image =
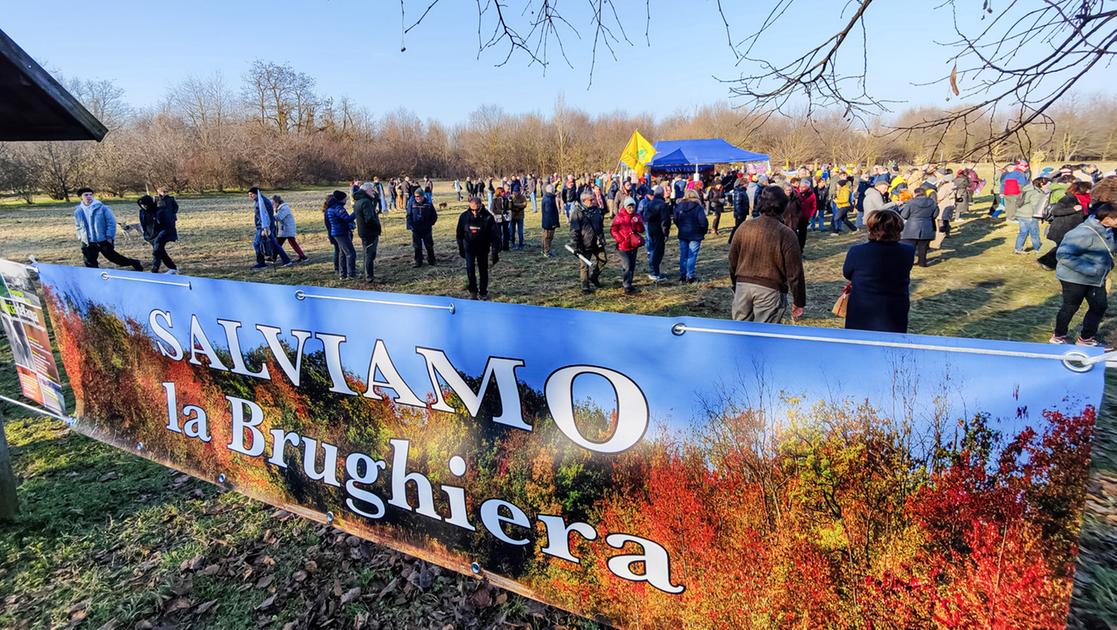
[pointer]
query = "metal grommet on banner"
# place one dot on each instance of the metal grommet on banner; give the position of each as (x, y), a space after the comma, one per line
(330, 518)
(104, 275)
(678, 330)
(1077, 361)
(221, 479)
(452, 309)
(139, 446)
(475, 567)
(299, 295)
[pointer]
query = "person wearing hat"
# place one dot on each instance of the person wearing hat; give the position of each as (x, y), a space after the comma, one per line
(874, 196)
(420, 220)
(341, 225)
(626, 231)
(587, 237)
(478, 238)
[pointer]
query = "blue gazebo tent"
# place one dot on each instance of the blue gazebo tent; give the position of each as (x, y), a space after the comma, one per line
(678, 155)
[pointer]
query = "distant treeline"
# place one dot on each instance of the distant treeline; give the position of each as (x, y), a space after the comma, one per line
(280, 130)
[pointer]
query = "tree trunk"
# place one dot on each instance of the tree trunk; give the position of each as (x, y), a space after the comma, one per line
(9, 505)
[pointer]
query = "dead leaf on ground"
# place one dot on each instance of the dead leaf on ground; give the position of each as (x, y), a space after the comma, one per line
(178, 603)
(351, 594)
(204, 607)
(193, 564)
(268, 601)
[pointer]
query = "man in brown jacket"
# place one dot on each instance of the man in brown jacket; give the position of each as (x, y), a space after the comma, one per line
(765, 263)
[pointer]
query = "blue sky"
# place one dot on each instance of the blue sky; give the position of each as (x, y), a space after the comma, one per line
(352, 47)
(676, 373)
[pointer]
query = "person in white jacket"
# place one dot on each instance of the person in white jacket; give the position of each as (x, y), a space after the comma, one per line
(285, 230)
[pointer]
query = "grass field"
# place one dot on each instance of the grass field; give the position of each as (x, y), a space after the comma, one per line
(105, 537)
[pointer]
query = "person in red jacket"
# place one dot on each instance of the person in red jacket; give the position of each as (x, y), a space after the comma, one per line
(626, 230)
(808, 206)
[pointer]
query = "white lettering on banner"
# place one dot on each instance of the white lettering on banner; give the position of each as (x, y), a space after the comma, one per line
(240, 425)
(382, 362)
(368, 493)
(199, 341)
(293, 371)
(511, 412)
(632, 407)
(657, 564)
(196, 421)
(239, 366)
(168, 345)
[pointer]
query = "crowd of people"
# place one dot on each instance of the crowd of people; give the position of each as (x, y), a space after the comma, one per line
(906, 213)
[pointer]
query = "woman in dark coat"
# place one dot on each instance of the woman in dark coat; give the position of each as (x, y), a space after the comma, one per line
(880, 274)
(919, 216)
(1065, 215)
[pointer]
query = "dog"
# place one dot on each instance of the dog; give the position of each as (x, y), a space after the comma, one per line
(442, 205)
(131, 230)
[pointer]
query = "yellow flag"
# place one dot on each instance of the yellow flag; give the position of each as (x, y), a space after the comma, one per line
(638, 152)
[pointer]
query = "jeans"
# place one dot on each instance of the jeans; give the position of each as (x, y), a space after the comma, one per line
(261, 242)
(90, 251)
(841, 216)
(477, 265)
(688, 258)
(818, 221)
(421, 239)
(517, 228)
(370, 246)
(505, 234)
(1028, 227)
(628, 266)
(1073, 294)
(566, 209)
(534, 207)
(159, 256)
(860, 218)
(346, 256)
(656, 248)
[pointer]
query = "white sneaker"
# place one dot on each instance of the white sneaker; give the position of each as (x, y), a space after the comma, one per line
(171, 272)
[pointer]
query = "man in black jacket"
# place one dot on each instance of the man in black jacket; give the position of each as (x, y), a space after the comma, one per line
(587, 237)
(657, 220)
(477, 238)
(366, 204)
(421, 218)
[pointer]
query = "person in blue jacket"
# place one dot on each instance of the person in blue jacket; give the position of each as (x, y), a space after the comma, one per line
(1085, 259)
(879, 273)
(264, 219)
(96, 229)
(341, 225)
(691, 225)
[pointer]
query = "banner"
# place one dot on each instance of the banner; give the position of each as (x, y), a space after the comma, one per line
(21, 313)
(645, 471)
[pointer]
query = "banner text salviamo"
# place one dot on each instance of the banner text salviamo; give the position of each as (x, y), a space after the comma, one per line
(502, 519)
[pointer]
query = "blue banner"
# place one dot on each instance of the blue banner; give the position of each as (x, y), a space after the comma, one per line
(641, 470)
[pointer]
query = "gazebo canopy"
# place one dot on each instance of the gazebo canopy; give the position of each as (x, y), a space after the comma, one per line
(673, 154)
(33, 106)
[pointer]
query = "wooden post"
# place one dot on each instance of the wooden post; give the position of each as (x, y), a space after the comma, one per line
(9, 505)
